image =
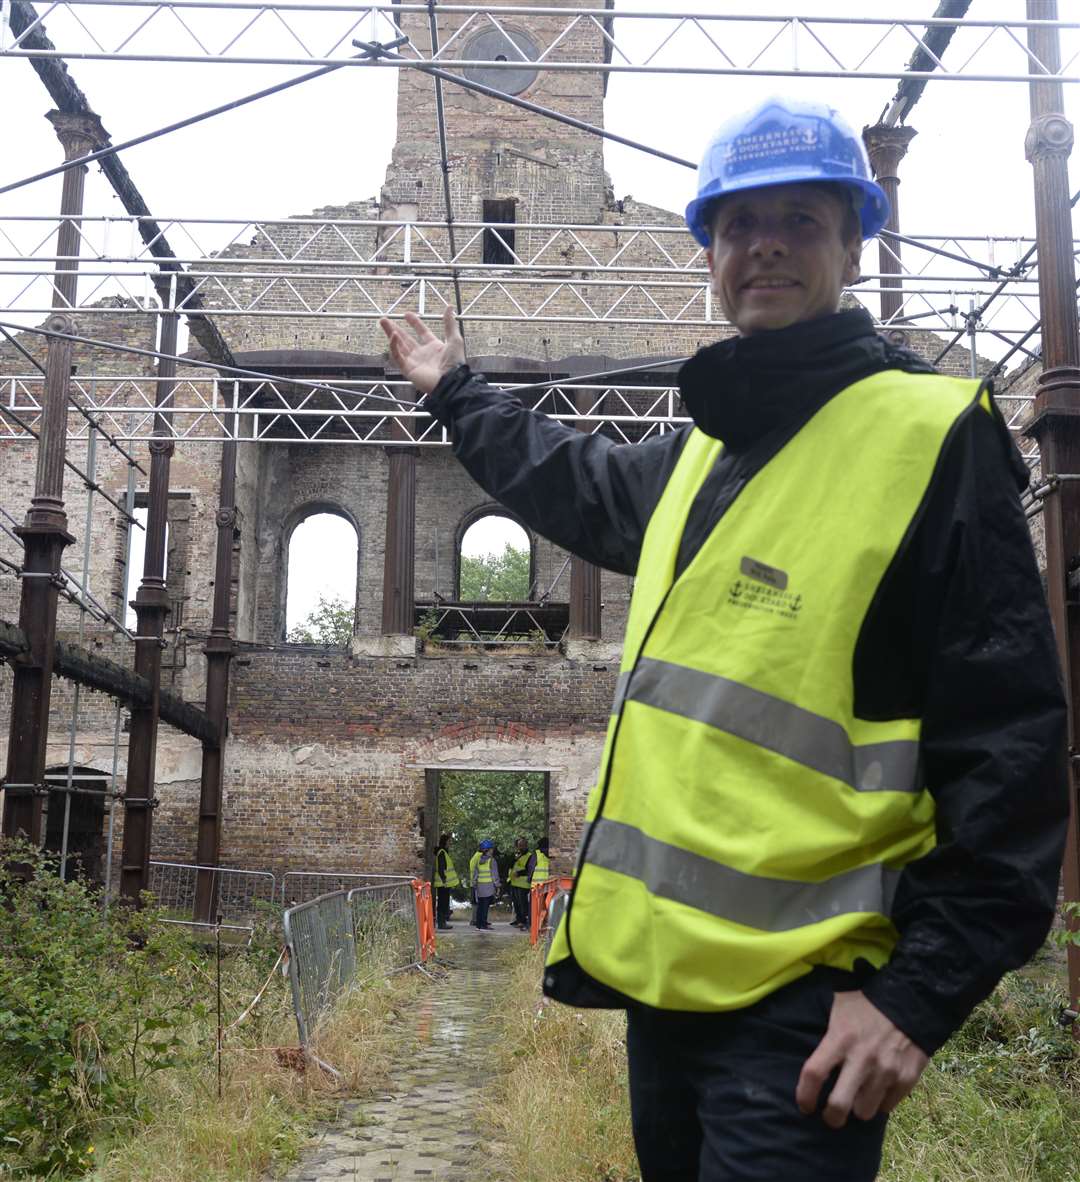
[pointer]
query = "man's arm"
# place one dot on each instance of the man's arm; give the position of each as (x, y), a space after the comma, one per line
(581, 491)
(994, 755)
(967, 607)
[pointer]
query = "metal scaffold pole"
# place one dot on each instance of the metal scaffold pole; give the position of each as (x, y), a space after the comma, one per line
(1056, 421)
(45, 534)
(151, 606)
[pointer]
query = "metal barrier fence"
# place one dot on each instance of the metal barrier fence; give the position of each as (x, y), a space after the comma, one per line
(345, 936)
(301, 886)
(236, 893)
(555, 912)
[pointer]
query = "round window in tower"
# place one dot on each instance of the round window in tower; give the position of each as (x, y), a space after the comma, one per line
(494, 45)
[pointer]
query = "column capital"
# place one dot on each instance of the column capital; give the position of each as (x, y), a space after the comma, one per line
(78, 132)
(886, 146)
(1048, 135)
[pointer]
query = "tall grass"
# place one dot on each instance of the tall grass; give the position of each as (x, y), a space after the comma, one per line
(999, 1103)
(271, 1100)
(559, 1102)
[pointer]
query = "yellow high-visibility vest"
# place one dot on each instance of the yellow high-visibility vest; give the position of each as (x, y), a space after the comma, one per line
(746, 825)
(450, 877)
(518, 877)
(542, 869)
(483, 871)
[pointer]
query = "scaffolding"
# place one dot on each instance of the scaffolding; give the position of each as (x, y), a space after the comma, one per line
(987, 295)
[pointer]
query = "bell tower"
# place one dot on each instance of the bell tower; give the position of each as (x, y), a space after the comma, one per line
(506, 164)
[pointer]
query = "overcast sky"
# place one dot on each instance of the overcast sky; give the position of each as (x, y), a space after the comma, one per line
(329, 141)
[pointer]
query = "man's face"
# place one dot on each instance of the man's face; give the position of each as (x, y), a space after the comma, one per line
(778, 255)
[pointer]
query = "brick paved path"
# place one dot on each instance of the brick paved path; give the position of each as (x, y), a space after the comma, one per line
(421, 1129)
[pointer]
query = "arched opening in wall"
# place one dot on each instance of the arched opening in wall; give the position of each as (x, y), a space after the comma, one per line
(321, 554)
(74, 820)
(510, 808)
(495, 561)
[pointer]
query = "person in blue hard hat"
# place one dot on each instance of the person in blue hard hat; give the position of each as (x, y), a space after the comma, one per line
(485, 882)
(831, 811)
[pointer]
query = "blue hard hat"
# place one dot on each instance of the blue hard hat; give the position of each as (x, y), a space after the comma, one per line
(487, 844)
(785, 142)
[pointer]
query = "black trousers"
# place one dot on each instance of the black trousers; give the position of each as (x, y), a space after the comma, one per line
(521, 903)
(483, 902)
(442, 905)
(712, 1096)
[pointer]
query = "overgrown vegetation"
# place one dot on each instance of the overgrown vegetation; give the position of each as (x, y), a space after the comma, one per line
(108, 1066)
(999, 1103)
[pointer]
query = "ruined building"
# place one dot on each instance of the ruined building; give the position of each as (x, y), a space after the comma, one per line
(333, 755)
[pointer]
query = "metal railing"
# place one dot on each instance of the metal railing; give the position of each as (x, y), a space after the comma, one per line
(345, 937)
(301, 886)
(236, 894)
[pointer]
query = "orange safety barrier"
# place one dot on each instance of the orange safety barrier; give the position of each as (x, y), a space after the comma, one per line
(425, 920)
(540, 897)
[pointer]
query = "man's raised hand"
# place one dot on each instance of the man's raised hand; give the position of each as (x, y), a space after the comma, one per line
(420, 355)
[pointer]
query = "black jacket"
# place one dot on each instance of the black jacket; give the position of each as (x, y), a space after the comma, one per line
(958, 633)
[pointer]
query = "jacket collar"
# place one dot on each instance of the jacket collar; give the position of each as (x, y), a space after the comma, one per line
(741, 388)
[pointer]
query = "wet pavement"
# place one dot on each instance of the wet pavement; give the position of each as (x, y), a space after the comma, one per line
(422, 1126)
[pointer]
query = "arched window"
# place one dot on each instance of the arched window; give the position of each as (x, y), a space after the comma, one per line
(495, 561)
(320, 596)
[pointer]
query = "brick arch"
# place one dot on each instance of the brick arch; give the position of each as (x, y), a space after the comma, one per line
(292, 520)
(478, 513)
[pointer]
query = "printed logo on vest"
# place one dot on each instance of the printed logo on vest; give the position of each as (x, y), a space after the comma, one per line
(765, 589)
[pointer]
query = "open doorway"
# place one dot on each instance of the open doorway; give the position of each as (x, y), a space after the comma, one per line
(474, 804)
(75, 820)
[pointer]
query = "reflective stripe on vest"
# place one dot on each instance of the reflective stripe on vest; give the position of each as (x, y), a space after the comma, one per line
(483, 871)
(518, 877)
(746, 824)
(542, 869)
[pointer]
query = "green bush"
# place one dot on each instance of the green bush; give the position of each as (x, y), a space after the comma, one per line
(90, 1007)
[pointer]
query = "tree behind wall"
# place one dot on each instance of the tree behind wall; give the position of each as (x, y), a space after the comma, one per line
(330, 622)
(499, 805)
(495, 577)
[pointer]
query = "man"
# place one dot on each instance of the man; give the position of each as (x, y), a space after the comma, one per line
(831, 808)
(519, 883)
(445, 879)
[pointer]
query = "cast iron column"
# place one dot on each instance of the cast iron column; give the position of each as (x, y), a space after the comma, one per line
(886, 147)
(219, 651)
(584, 576)
(151, 607)
(44, 533)
(399, 596)
(1056, 421)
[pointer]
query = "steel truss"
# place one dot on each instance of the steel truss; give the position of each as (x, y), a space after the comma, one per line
(216, 410)
(356, 270)
(634, 42)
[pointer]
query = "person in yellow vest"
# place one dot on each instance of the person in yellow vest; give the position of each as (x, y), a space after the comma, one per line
(445, 878)
(538, 868)
(486, 882)
(519, 883)
(473, 862)
(831, 806)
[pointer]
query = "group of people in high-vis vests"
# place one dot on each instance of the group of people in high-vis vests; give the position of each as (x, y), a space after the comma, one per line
(833, 796)
(531, 865)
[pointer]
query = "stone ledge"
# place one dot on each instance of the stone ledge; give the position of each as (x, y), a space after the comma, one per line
(605, 652)
(384, 646)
